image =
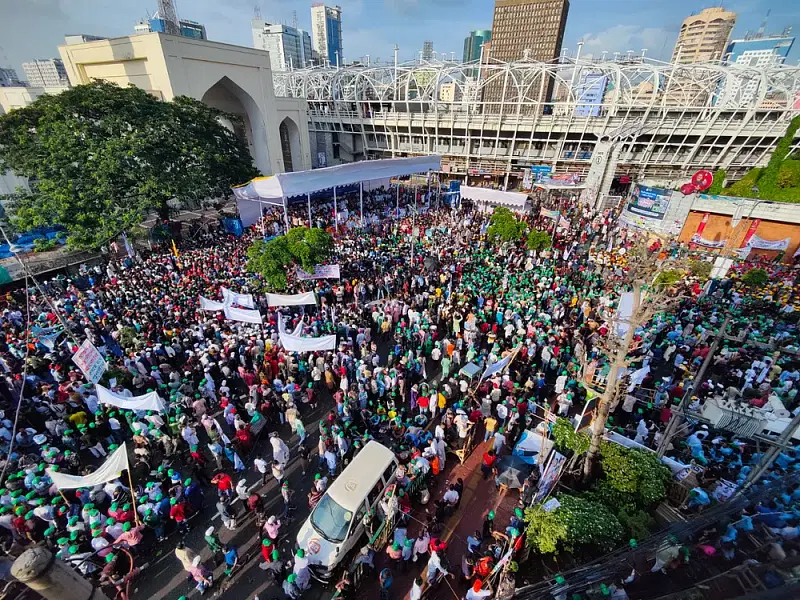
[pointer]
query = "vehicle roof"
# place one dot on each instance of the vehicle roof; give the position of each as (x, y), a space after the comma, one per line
(360, 476)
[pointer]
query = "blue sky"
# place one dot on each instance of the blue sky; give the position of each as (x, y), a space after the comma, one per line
(34, 28)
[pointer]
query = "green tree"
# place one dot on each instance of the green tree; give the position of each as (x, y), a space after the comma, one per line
(755, 278)
(668, 278)
(576, 522)
(504, 226)
(633, 471)
(302, 247)
(102, 157)
(565, 437)
(717, 182)
(701, 269)
(539, 240)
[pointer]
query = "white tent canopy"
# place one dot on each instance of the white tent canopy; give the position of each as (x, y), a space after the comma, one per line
(275, 188)
(512, 200)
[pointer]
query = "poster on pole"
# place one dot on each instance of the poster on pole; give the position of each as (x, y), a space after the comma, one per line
(649, 201)
(550, 475)
(90, 361)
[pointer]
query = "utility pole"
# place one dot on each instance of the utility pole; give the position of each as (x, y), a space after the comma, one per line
(678, 415)
(53, 579)
(770, 455)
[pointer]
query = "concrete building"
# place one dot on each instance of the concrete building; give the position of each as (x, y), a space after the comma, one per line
(753, 55)
(427, 50)
(703, 37)
(525, 29)
(383, 112)
(234, 79)
(288, 48)
(45, 73)
(81, 38)
(9, 77)
(155, 24)
(326, 33)
(533, 25)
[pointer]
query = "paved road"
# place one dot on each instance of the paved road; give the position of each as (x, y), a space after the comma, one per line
(165, 579)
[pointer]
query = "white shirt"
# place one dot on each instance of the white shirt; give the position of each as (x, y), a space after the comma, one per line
(416, 592)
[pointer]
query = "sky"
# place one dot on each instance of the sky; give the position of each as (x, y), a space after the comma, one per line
(34, 28)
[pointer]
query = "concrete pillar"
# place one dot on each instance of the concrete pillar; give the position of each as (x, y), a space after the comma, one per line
(54, 579)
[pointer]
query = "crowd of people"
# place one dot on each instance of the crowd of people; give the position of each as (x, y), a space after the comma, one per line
(238, 402)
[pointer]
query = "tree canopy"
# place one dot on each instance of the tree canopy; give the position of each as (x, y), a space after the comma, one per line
(301, 247)
(101, 157)
(504, 226)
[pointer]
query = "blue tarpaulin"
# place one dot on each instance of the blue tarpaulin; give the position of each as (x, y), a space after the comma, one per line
(233, 225)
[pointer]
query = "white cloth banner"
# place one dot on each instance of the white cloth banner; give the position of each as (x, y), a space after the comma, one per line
(499, 365)
(296, 343)
(320, 272)
(150, 401)
(108, 471)
(701, 241)
(206, 304)
(90, 361)
(246, 316)
(291, 299)
(762, 244)
(624, 312)
(245, 300)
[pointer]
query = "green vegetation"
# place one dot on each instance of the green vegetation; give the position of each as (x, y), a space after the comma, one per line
(504, 226)
(718, 182)
(565, 438)
(301, 247)
(43, 245)
(701, 269)
(636, 472)
(539, 240)
(755, 278)
(779, 180)
(668, 278)
(102, 157)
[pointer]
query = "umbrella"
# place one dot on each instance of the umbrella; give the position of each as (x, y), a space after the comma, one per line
(513, 471)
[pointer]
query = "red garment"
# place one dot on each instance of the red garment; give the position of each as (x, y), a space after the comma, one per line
(223, 482)
(178, 512)
(488, 460)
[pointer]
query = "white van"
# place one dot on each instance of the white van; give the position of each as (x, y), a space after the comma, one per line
(334, 527)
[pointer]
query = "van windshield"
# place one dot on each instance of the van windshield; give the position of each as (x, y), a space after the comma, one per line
(330, 520)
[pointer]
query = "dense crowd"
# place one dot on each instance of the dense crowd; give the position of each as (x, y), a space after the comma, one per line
(236, 400)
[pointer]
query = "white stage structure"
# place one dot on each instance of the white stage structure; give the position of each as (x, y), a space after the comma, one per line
(487, 197)
(275, 189)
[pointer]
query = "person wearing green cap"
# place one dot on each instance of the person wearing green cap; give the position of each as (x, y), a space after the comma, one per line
(488, 526)
(290, 587)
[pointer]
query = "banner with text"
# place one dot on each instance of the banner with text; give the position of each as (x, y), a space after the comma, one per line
(649, 201)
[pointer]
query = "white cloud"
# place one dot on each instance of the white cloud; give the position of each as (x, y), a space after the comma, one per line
(622, 38)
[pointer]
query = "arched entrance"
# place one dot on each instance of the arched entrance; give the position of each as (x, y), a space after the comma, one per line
(290, 144)
(226, 96)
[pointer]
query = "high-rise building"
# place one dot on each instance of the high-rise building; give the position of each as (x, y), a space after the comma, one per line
(525, 29)
(589, 93)
(326, 33)
(703, 37)
(473, 43)
(533, 25)
(427, 50)
(758, 52)
(288, 47)
(9, 78)
(48, 72)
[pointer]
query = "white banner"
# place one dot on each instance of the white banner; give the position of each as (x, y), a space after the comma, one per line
(206, 304)
(90, 361)
(245, 300)
(320, 272)
(245, 316)
(296, 343)
(291, 299)
(499, 365)
(624, 312)
(701, 241)
(151, 401)
(109, 471)
(762, 244)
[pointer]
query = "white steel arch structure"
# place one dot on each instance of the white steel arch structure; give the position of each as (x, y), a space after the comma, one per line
(502, 117)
